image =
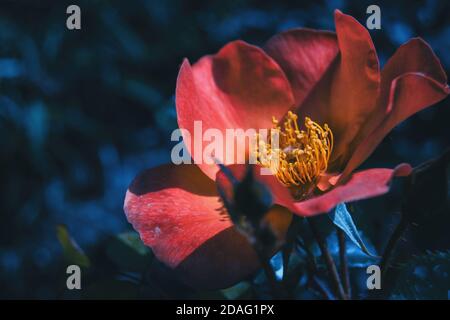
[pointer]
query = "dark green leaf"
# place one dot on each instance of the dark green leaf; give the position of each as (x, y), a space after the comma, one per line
(128, 253)
(356, 258)
(236, 291)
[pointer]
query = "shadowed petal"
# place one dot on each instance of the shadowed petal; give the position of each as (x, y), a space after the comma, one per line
(304, 55)
(175, 209)
(410, 93)
(227, 258)
(415, 56)
(347, 94)
(219, 262)
(239, 87)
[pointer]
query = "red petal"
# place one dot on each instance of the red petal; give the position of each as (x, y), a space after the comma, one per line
(347, 94)
(304, 55)
(364, 184)
(356, 85)
(219, 262)
(361, 185)
(175, 209)
(327, 180)
(239, 87)
(410, 93)
(414, 56)
(227, 258)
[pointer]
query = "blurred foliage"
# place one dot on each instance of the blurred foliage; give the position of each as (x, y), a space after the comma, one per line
(82, 112)
(425, 277)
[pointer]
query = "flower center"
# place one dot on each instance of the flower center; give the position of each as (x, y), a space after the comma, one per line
(297, 157)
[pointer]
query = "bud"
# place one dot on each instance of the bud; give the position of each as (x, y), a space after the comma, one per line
(247, 206)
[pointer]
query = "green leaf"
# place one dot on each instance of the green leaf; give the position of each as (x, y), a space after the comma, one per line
(237, 291)
(424, 277)
(356, 258)
(71, 250)
(128, 253)
(343, 220)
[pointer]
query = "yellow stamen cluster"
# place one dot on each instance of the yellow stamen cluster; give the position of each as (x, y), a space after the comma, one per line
(301, 155)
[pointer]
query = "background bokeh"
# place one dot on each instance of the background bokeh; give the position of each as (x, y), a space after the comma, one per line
(82, 112)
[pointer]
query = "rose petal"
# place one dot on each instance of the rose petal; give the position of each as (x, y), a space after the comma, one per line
(327, 180)
(175, 209)
(216, 264)
(413, 56)
(346, 95)
(304, 55)
(219, 262)
(239, 87)
(356, 85)
(410, 93)
(362, 185)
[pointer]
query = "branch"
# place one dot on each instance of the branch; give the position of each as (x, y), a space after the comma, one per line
(328, 260)
(343, 262)
(390, 247)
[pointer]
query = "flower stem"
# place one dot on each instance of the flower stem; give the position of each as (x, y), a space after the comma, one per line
(291, 237)
(321, 288)
(328, 260)
(388, 274)
(343, 262)
(270, 275)
(313, 280)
